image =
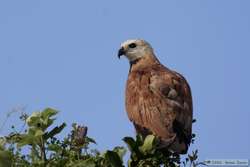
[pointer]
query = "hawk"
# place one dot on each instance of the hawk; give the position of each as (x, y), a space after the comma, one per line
(158, 100)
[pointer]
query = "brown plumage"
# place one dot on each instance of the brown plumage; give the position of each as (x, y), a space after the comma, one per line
(158, 100)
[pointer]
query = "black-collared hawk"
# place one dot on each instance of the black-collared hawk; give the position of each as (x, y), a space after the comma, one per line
(158, 100)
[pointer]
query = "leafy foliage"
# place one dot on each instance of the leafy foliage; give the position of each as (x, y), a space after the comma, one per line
(46, 150)
(144, 152)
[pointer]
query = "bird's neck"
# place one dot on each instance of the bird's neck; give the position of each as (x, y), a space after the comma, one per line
(143, 62)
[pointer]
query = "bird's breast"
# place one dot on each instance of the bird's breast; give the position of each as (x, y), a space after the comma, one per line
(136, 94)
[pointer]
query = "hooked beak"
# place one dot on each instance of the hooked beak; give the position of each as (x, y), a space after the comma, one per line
(121, 52)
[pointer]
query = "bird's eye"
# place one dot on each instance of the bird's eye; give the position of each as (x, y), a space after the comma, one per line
(132, 45)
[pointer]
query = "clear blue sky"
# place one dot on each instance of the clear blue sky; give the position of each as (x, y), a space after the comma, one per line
(63, 54)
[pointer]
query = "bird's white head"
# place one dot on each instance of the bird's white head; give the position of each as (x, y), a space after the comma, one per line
(135, 49)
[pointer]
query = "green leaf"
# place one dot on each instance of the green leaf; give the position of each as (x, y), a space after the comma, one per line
(25, 140)
(90, 140)
(131, 143)
(113, 158)
(32, 131)
(130, 162)
(54, 147)
(83, 163)
(5, 158)
(54, 131)
(38, 133)
(139, 139)
(34, 119)
(48, 112)
(121, 151)
(46, 117)
(148, 145)
(2, 143)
